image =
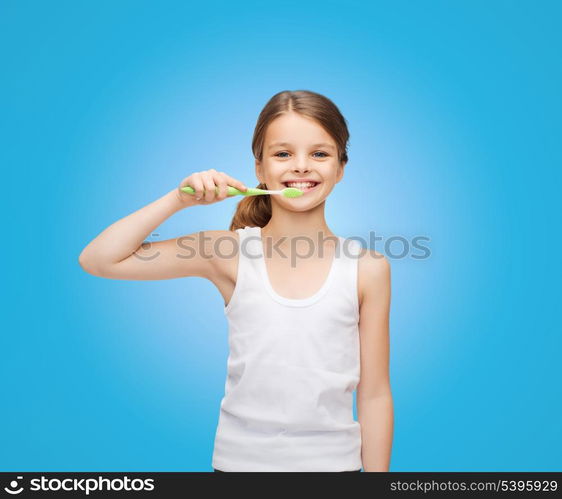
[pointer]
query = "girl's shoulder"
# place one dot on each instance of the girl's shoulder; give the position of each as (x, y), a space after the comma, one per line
(373, 268)
(217, 246)
(226, 254)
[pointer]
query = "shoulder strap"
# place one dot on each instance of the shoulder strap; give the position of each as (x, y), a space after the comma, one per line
(350, 252)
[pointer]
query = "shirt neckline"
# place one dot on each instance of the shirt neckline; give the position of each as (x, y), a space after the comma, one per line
(292, 302)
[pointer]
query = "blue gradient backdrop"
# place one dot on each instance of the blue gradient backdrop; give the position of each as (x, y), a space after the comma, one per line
(454, 112)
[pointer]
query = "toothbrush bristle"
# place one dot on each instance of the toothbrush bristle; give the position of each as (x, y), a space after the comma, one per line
(292, 192)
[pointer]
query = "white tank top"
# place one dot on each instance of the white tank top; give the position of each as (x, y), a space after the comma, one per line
(292, 369)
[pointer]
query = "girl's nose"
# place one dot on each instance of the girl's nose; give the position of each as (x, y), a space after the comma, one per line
(301, 166)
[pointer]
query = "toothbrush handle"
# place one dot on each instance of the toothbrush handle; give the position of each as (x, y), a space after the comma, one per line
(232, 191)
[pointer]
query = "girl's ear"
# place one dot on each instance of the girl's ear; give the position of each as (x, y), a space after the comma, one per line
(340, 171)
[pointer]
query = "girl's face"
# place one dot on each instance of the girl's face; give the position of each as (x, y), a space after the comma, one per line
(297, 148)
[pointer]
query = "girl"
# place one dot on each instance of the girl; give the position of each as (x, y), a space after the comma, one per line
(303, 333)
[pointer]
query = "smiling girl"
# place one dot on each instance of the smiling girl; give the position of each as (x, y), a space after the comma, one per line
(308, 311)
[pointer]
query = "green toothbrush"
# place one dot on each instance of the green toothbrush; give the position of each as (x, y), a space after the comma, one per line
(288, 192)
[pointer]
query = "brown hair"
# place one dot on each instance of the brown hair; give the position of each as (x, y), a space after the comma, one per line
(255, 211)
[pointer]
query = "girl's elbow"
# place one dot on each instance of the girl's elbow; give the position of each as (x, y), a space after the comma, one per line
(88, 264)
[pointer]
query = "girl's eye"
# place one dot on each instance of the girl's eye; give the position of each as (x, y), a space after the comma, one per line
(284, 152)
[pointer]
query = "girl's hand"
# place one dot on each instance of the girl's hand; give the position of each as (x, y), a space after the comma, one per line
(204, 184)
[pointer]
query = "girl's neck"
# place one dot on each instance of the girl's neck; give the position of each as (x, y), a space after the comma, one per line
(304, 225)
(285, 223)
(276, 232)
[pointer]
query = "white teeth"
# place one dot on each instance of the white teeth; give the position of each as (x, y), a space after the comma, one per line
(300, 185)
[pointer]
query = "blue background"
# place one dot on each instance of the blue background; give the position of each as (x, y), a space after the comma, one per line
(454, 112)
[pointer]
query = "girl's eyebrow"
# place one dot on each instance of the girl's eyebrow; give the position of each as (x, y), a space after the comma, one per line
(285, 144)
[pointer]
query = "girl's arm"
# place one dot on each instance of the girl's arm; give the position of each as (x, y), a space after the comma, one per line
(118, 252)
(374, 398)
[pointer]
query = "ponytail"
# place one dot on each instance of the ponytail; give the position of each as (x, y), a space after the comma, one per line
(252, 211)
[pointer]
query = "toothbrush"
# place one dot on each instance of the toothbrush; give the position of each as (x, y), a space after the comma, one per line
(288, 192)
